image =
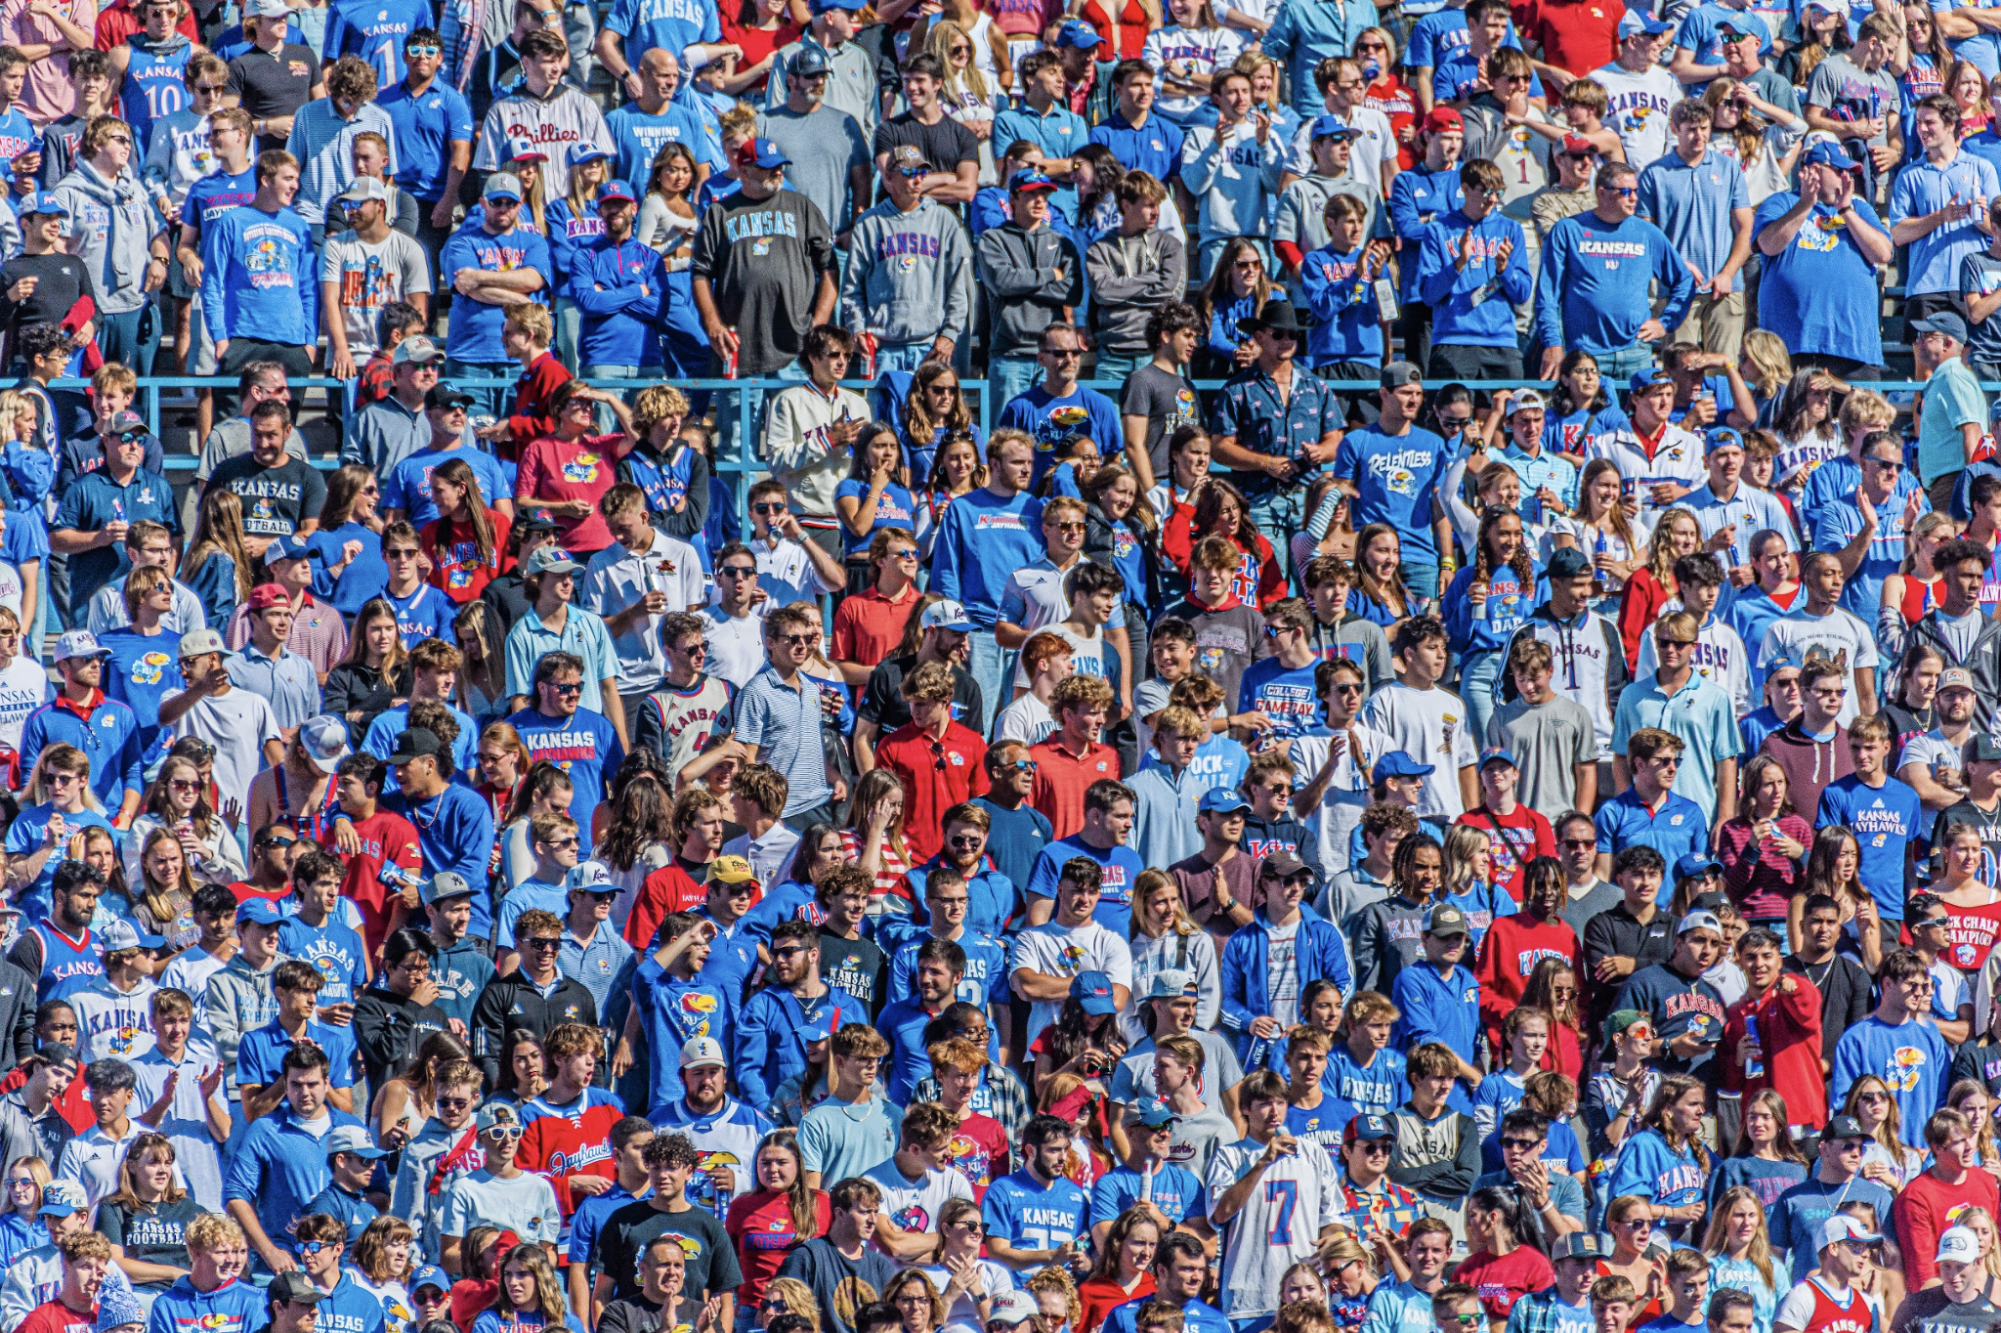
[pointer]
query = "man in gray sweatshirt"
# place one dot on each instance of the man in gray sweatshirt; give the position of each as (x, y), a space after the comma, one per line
(1133, 271)
(910, 271)
(1033, 278)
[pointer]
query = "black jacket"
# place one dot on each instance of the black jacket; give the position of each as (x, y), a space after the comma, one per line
(511, 1004)
(389, 1028)
(356, 687)
(1984, 661)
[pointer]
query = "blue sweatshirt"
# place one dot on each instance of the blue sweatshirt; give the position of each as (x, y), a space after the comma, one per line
(1319, 951)
(236, 1306)
(1648, 1167)
(1474, 307)
(1417, 199)
(262, 278)
(1347, 322)
(1594, 289)
(982, 541)
(1911, 1057)
(622, 290)
(475, 327)
(1487, 629)
(675, 1013)
(769, 1049)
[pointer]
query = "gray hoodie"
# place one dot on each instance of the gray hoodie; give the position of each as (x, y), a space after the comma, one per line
(240, 999)
(1130, 277)
(111, 224)
(910, 275)
(1018, 271)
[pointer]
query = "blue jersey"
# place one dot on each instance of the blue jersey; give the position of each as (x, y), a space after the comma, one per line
(334, 949)
(1122, 868)
(425, 614)
(374, 30)
(584, 745)
(984, 982)
(1323, 1123)
(1029, 1215)
(1885, 820)
(68, 965)
(1377, 1089)
(156, 83)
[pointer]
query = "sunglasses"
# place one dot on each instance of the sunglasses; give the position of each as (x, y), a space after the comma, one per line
(542, 942)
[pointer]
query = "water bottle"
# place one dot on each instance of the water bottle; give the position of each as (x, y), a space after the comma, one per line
(1752, 1068)
(1600, 547)
(723, 1199)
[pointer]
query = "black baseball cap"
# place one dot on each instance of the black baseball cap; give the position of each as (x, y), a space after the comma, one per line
(445, 396)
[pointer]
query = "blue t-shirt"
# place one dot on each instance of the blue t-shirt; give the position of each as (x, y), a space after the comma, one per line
(140, 672)
(587, 747)
(1175, 1191)
(1283, 694)
(409, 486)
(672, 25)
(475, 328)
(1052, 420)
(335, 949)
(893, 509)
(1395, 477)
(1884, 820)
(1817, 294)
(1122, 868)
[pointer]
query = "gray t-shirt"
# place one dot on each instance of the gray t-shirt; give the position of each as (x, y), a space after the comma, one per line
(1841, 85)
(1197, 1140)
(367, 276)
(1132, 1081)
(1547, 740)
(823, 145)
(1167, 401)
(1979, 275)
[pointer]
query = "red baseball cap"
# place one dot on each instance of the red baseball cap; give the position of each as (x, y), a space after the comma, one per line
(267, 595)
(1443, 118)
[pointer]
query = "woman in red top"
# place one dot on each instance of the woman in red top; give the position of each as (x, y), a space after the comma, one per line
(759, 27)
(1124, 1271)
(1124, 25)
(1971, 902)
(1763, 847)
(1650, 588)
(1552, 988)
(568, 471)
(1377, 51)
(780, 1215)
(1502, 1267)
(467, 542)
(1221, 511)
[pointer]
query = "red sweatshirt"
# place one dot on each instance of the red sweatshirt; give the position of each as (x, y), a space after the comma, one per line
(1788, 1017)
(1509, 951)
(1927, 1206)
(531, 419)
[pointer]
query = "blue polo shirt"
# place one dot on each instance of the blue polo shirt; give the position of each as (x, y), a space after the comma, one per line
(1700, 713)
(1060, 133)
(427, 125)
(1924, 187)
(281, 1166)
(287, 680)
(1154, 148)
(95, 500)
(261, 1054)
(108, 735)
(1678, 828)
(1693, 204)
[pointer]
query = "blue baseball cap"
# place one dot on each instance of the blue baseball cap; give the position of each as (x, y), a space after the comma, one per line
(430, 1275)
(1632, 23)
(1651, 378)
(822, 1028)
(1093, 990)
(1828, 153)
(1222, 800)
(612, 190)
(1498, 754)
(258, 912)
(1370, 1128)
(852, 6)
(42, 201)
(290, 546)
(1080, 35)
(1721, 437)
(1029, 181)
(763, 152)
(590, 152)
(1152, 1114)
(1333, 127)
(1397, 764)
(1695, 864)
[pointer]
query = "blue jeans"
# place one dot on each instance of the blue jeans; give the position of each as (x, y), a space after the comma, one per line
(1422, 581)
(728, 420)
(1478, 674)
(988, 666)
(607, 420)
(491, 402)
(118, 338)
(906, 357)
(1118, 365)
(1618, 367)
(1008, 377)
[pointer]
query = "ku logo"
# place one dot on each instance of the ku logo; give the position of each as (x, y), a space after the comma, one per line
(1904, 1068)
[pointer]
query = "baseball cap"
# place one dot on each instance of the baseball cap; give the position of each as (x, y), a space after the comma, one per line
(589, 875)
(79, 643)
(430, 1275)
(1699, 921)
(1983, 748)
(1650, 378)
(444, 396)
(1442, 118)
(1498, 754)
(1955, 678)
(1632, 23)
(295, 1288)
(351, 1139)
(1841, 1226)
(1958, 1245)
(363, 188)
(445, 884)
(258, 912)
(731, 870)
(1843, 1127)
(1625, 1018)
(1578, 1245)
(1695, 863)
(552, 560)
(267, 9)
(1716, 900)
(119, 934)
(1945, 322)
(763, 152)
(589, 152)
(42, 201)
(1397, 764)
(60, 1198)
(1028, 182)
(822, 6)
(198, 643)
(810, 63)
(1222, 800)
(120, 1308)
(909, 160)
(1445, 919)
(1368, 1129)
(1732, 30)
(496, 1115)
(702, 1052)
(267, 595)
(1171, 984)
(1093, 992)
(1399, 373)
(126, 423)
(414, 742)
(946, 614)
(615, 190)
(1008, 1307)
(290, 546)
(1333, 127)
(1282, 865)
(1080, 35)
(1828, 153)
(324, 739)
(1567, 562)
(1527, 400)
(503, 185)
(1152, 1114)
(1576, 145)
(1721, 437)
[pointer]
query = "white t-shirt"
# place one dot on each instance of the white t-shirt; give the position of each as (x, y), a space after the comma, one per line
(736, 644)
(1838, 636)
(1377, 145)
(237, 724)
(1027, 720)
(189, 973)
(914, 1205)
(1064, 951)
(1282, 974)
(24, 687)
(1430, 726)
(786, 572)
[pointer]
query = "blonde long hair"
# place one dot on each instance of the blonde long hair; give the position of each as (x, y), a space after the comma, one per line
(219, 531)
(68, 759)
(939, 43)
(1759, 1251)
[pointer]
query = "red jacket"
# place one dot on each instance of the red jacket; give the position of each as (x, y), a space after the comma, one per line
(563, 1143)
(531, 418)
(1927, 1206)
(1788, 1018)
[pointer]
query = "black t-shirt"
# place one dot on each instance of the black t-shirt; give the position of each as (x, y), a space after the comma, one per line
(764, 258)
(1167, 401)
(945, 145)
(59, 281)
(857, 967)
(882, 700)
(274, 83)
(156, 1235)
(712, 1265)
(276, 500)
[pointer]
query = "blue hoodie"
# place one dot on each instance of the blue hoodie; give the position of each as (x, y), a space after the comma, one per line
(769, 1049)
(982, 541)
(262, 279)
(1594, 290)
(279, 1168)
(1464, 308)
(237, 1306)
(1347, 322)
(622, 290)
(1320, 952)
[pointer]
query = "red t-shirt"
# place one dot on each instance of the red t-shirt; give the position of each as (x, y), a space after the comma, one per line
(868, 627)
(55, 1317)
(120, 21)
(1971, 936)
(1102, 1295)
(1927, 1206)
(580, 469)
(1503, 1280)
(672, 888)
(386, 839)
(1512, 842)
(760, 1224)
(937, 775)
(1061, 779)
(456, 569)
(980, 1149)
(1581, 35)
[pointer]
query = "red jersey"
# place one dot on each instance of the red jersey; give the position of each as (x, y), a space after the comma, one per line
(1789, 1034)
(979, 1148)
(1854, 1314)
(1501, 1280)
(386, 839)
(760, 1225)
(1061, 779)
(671, 888)
(1513, 841)
(579, 469)
(1509, 952)
(55, 1317)
(868, 627)
(456, 569)
(937, 775)
(564, 1142)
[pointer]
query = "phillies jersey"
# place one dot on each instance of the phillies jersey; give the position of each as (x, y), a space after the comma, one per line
(574, 1140)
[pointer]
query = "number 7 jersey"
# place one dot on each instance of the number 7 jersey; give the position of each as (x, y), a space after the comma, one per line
(1280, 1223)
